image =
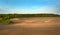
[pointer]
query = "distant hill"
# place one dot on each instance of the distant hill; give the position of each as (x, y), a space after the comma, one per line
(29, 15)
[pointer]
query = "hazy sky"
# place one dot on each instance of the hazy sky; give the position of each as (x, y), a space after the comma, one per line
(30, 6)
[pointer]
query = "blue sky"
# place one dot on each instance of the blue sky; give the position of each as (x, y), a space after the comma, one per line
(30, 6)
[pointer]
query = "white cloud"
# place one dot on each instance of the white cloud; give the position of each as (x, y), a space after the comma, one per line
(43, 9)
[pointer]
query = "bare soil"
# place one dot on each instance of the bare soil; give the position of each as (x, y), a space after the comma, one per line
(33, 26)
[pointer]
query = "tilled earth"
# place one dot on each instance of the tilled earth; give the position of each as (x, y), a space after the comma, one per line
(33, 26)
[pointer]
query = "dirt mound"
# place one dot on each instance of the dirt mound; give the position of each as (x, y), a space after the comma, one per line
(39, 22)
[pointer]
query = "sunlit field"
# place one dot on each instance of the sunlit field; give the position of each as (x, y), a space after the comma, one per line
(32, 26)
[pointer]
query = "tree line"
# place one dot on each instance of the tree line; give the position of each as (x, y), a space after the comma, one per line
(5, 18)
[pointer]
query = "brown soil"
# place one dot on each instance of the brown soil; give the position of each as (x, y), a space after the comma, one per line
(33, 26)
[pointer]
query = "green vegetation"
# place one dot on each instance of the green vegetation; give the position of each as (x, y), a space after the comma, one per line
(5, 18)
